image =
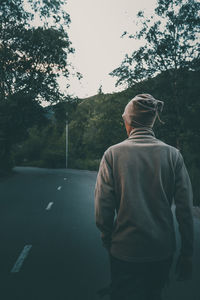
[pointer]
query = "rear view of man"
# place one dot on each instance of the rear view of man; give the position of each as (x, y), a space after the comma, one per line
(137, 182)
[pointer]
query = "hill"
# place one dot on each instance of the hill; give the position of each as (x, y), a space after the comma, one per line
(96, 122)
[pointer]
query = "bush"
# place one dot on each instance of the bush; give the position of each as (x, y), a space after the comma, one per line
(53, 159)
(85, 164)
(45, 147)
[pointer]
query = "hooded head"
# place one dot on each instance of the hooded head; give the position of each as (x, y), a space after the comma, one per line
(142, 111)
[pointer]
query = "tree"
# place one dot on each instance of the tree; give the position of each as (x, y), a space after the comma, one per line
(100, 91)
(43, 148)
(32, 58)
(171, 43)
(171, 47)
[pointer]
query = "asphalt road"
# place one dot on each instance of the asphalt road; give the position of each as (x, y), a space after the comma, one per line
(50, 247)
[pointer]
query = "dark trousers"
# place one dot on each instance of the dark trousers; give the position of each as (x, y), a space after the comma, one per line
(138, 281)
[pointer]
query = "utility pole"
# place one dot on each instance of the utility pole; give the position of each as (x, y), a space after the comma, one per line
(66, 138)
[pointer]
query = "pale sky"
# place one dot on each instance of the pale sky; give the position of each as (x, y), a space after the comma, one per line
(95, 31)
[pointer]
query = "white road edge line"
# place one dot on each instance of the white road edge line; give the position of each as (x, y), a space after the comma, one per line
(59, 187)
(49, 206)
(21, 258)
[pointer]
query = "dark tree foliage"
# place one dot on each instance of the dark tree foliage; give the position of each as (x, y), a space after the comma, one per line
(171, 43)
(33, 55)
(31, 58)
(171, 47)
(63, 111)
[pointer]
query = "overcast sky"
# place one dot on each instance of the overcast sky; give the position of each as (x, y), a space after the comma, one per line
(95, 31)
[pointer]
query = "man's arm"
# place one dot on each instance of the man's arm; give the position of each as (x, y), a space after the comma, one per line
(105, 201)
(184, 201)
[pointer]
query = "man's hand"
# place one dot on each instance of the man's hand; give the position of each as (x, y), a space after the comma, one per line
(106, 241)
(184, 268)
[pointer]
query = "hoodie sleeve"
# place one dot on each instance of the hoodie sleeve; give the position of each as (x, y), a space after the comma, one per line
(105, 201)
(184, 200)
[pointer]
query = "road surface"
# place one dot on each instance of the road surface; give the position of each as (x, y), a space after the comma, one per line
(50, 247)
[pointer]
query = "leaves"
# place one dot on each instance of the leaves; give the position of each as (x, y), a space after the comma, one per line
(32, 58)
(171, 42)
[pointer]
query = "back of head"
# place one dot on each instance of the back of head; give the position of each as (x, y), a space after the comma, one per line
(142, 111)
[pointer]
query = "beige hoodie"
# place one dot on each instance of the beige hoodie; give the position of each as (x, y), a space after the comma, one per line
(137, 182)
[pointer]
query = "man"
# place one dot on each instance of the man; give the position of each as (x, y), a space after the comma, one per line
(137, 182)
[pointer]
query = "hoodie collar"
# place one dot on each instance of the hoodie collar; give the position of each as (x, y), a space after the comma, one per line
(141, 132)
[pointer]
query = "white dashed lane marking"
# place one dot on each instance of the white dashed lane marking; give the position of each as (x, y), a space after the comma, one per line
(49, 206)
(59, 187)
(65, 178)
(17, 266)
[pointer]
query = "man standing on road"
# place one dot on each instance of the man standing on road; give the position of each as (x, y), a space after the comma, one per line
(137, 182)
